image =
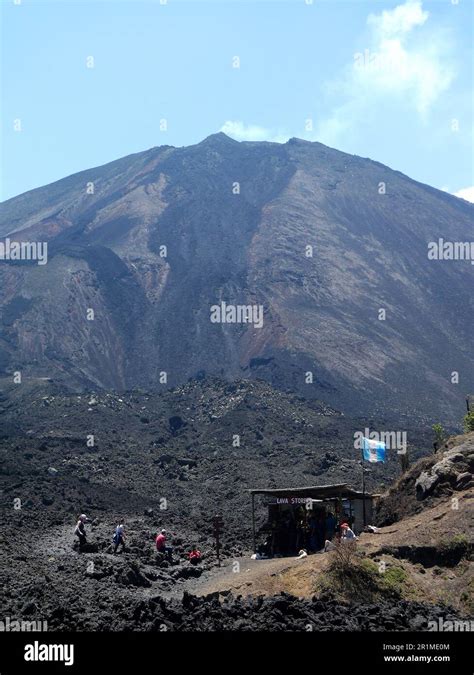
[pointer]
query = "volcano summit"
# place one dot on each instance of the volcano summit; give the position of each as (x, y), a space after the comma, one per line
(150, 242)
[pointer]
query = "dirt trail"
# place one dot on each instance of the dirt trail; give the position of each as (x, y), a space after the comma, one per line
(245, 576)
(405, 544)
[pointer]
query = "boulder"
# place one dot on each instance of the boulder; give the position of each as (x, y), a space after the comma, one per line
(29, 608)
(176, 422)
(464, 480)
(100, 571)
(184, 461)
(425, 484)
(191, 571)
(132, 575)
(163, 459)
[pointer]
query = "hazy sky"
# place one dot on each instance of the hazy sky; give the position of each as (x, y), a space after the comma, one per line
(387, 80)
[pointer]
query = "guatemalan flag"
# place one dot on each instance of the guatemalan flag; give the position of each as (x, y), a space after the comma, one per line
(374, 451)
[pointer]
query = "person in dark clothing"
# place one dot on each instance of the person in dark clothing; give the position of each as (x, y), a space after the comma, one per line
(119, 537)
(320, 530)
(301, 530)
(330, 526)
(80, 530)
(313, 545)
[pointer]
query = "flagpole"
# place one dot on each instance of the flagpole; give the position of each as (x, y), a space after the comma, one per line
(363, 487)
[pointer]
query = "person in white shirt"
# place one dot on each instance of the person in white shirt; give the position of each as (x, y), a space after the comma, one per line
(346, 533)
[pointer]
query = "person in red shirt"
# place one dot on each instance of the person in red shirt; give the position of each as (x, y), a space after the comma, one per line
(194, 556)
(161, 547)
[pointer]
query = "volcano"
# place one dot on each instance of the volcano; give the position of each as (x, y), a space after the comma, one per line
(331, 247)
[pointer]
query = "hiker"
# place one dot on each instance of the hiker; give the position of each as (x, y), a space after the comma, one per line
(195, 556)
(119, 537)
(346, 533)
(312, 533)
(330, 526)
(301, 530)
(330, 545)
(80, 530)
(320, 530)
(161, 547)
(265, 549)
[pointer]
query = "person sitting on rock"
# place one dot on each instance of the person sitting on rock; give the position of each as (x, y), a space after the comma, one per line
(346, 533)
(119, 537)
(330, 544)
(195, 556)
(161, 547)
(80, 530)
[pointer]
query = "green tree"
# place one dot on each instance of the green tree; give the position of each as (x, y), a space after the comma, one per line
(440, 435)
(469, 421)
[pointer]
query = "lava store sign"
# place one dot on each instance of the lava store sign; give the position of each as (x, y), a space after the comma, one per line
(293, 501)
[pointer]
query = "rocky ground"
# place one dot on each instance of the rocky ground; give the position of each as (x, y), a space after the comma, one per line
(187, 454)
(437, 476)
(173, 461)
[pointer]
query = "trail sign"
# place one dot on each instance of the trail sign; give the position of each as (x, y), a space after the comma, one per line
(218, 524)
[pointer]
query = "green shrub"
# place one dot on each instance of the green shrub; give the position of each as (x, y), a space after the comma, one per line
(350, 576)
(469, 422)
(459, 541)
(439, 433)
(394, 579)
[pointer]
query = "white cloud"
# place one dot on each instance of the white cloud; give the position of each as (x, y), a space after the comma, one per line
(399, 20)
(404, 62)
(466, 193)
(251, 132)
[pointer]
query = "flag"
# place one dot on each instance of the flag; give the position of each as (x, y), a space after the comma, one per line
(374, 451)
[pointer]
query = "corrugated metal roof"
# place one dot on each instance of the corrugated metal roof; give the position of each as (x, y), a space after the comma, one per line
(313, 491)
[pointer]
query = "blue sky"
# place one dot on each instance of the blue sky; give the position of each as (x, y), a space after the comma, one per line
(389, 80)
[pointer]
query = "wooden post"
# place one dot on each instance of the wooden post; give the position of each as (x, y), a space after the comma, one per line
(253, 524)
(363, 490)
(218, 524)
(218, 549)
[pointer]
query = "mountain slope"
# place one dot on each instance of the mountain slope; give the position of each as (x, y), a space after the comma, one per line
(164, 236)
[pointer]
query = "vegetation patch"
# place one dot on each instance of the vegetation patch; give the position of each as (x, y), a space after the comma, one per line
(351, 577)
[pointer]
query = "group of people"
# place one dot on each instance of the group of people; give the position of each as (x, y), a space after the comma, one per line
(319, 527)
(194, 555)
(118, 540)
(302, 530)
